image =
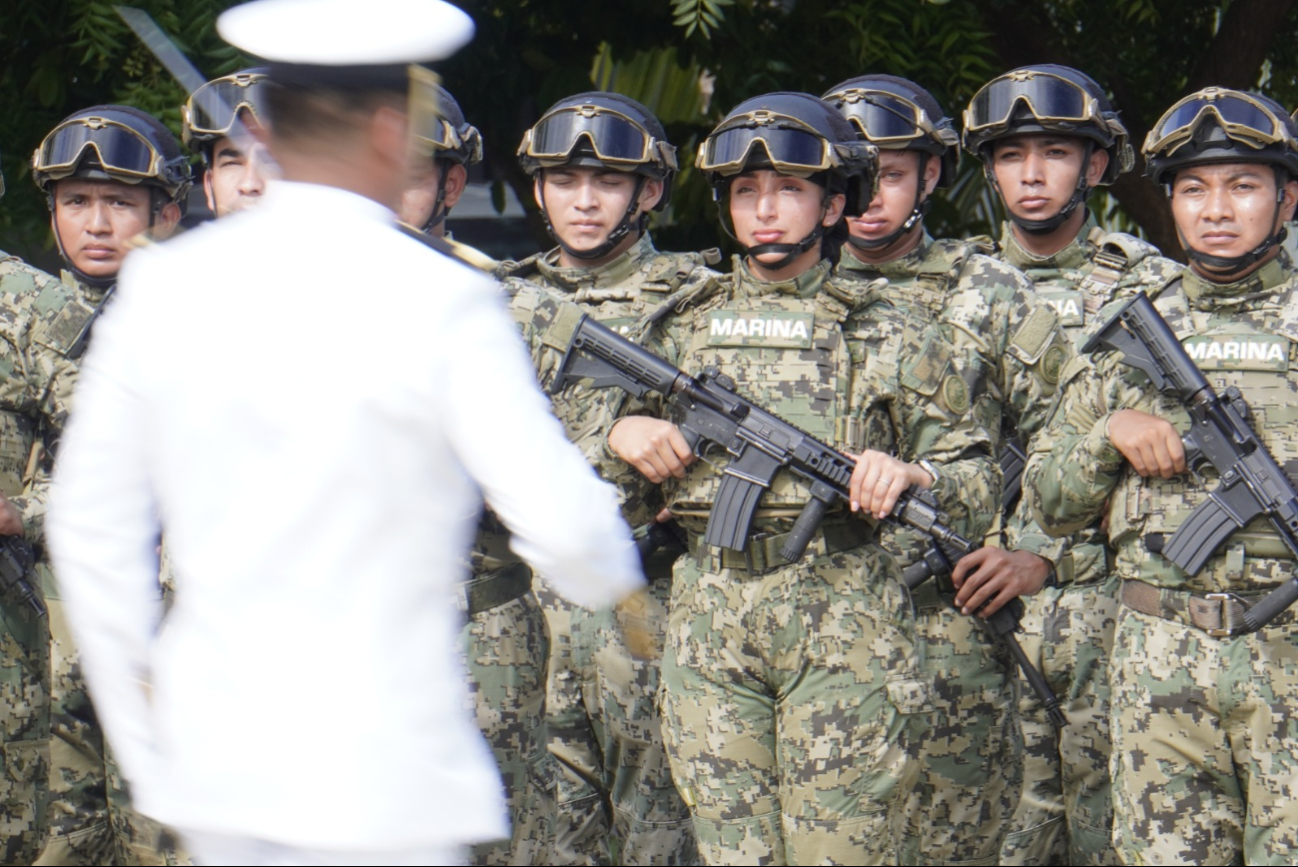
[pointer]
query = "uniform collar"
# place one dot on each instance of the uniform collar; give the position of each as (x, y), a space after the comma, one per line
(1072, 257)
(1265, 281)
(621, 270)
(906, 265)
(805, 285)
(92, 294)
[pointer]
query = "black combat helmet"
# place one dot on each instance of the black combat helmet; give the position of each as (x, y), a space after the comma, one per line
(794, 134)
(894, 113)
(113, 143)
(1220, 125)
(1044, 99)
(599, 129)
(450, 140)
(213, 111)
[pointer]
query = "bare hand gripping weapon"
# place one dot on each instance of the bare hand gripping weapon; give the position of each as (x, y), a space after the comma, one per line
(1221, 433)
(761, 444)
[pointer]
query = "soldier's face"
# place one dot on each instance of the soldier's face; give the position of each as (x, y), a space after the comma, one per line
(237, 177)
(1037, 173)
(1227, 209)
(95, 220)
(586, 204)
(420, 197)
(899, 183)
(767, 207)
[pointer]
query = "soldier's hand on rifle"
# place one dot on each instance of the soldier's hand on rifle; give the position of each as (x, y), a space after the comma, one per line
(1149, 443)
(11, 520)
(879, 479)
(654, 447)
(988, 578)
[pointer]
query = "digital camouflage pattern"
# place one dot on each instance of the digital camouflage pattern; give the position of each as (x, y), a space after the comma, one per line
(790, 689)
(33, 407)
(1166, 811)
(616, 802)
(1014, 349)
(89, 818)
(506, 647)
(1065, 814)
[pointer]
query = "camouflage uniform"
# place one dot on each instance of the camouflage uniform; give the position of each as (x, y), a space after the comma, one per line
(89, 817)
(971, 752)
(1203, 756)
(33, 406)
(505, 649)
(1065, 815)
(789, 687)
(616, 802)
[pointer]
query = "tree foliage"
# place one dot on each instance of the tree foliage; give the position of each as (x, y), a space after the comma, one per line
(690, 60)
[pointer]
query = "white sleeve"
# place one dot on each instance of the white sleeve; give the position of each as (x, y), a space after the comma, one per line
(103, 530)
(564, 519)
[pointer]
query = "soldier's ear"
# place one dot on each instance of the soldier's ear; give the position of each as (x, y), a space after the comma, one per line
(834, 207)
(1095, 168)
(932, 171)
(166, 221)
(650, 194)
(1290, 200)
(455, 178)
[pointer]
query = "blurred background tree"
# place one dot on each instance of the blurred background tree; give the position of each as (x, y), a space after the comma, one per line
(690, 60)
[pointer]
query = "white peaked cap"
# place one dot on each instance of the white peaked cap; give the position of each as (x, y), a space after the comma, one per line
(346, 32)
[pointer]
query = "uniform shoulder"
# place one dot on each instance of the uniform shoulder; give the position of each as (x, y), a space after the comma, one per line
(17, 278)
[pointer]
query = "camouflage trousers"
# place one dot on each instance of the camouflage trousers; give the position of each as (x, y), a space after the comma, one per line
(25, 729)
(90, 820)
(787, 697)
(1065, 815)
(970, 751)
(1205, 748)
(505, 652)
(617, 802)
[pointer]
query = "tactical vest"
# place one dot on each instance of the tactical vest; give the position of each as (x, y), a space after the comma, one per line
(1077, 294)
(828, 363)
(1257, 352)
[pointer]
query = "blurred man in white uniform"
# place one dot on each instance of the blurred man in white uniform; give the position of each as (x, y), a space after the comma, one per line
(312, 427)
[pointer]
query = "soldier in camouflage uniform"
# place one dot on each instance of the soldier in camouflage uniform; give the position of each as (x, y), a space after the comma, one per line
(789, 686)
(110, 173)
(33, 407)
(1046, 136)
(971, 752)
(505, 642)
(1203, 755)
(601, 163)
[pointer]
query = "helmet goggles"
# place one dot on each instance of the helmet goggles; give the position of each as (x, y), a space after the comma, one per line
(1048, 96)
(885, 118)
(1239, 115)
(445, 137)
(121, 150)
(213, 110)
(792, 147)
(614, 138)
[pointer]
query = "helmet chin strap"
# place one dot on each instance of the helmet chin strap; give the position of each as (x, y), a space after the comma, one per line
(620, 231)
(1228, 265)
(917, 214)
(790, 251)
(439, 213)
(1050, 224)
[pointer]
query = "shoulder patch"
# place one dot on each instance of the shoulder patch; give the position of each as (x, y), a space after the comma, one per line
(929, 369)
(1052, 363)
(61, 333)
(955, 394)
(1034, 334)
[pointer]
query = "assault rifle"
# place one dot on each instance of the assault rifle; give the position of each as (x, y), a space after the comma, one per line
(1013, 461)
(1221, 433)
(760, 444)
(16, 563)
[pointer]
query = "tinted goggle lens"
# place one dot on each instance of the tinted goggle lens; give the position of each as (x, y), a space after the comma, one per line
(613, 137)
(1241, 115)
(787, 148)
(119, 148)
(881, 116)
(1049, 97)
(214, 107)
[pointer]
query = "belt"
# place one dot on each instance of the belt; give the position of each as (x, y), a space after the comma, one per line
(1221, 615)
(762, 553)
(495, 588)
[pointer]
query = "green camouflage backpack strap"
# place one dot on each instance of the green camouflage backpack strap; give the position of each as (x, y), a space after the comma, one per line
(65, 315)
(522, 268)
(1116, 254)
(675, 282)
